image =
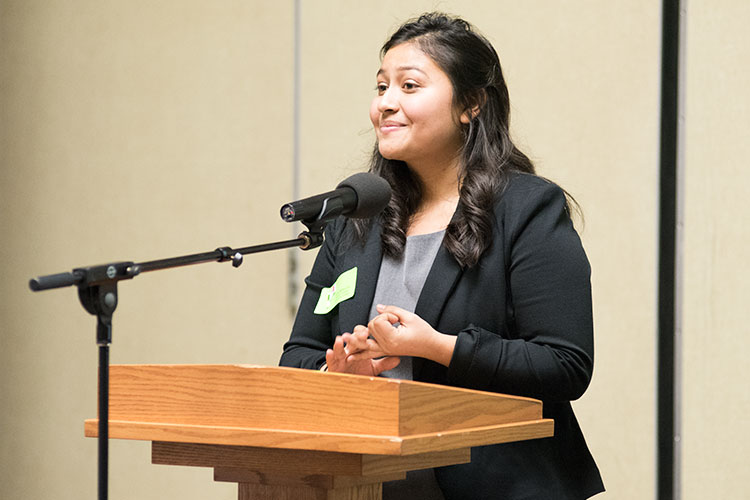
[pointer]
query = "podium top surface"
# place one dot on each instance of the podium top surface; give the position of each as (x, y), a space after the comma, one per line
(291, 408)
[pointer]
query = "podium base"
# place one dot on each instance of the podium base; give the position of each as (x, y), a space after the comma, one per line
(263, 492)
(285, 474)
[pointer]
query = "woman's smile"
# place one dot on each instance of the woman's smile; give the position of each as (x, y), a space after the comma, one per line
(390, 126)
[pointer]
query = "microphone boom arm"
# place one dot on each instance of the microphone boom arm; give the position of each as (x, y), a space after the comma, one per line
(97, 292)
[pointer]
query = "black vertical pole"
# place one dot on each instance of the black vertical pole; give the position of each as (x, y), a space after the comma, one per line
(667, 249)
(103, 440)
(103, 340)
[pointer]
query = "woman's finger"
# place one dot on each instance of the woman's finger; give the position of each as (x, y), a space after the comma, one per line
(356, 342)
(338, 347)
(380, 326)
(394, 311)
(372, 350)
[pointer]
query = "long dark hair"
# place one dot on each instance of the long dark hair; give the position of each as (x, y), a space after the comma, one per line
(487, 155)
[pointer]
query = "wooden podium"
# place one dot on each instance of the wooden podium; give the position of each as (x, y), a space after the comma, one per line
(286, 433)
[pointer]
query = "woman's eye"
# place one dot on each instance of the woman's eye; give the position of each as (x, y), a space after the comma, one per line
(410, 86)
(381, 88)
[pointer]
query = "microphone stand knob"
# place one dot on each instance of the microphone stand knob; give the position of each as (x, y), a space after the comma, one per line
(237, 260)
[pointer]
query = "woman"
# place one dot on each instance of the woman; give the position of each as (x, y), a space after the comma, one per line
(473, 276)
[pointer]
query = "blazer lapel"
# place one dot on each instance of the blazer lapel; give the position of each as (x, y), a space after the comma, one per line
(440, 281)
(356, 310)
(438, 286)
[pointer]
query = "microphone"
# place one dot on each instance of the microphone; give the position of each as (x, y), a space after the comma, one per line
(360, 196)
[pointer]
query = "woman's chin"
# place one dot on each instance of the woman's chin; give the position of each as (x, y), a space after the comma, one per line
(389, 154)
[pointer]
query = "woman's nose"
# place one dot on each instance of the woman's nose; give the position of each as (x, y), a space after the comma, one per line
(388, 101)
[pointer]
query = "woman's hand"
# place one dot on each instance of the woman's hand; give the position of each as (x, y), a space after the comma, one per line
(340, 358)
(412, 337)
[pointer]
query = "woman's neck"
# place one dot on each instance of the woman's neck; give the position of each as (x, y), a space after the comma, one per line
(440, 194)
(440, 181)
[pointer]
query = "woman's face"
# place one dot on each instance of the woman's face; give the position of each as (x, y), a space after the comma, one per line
(413, 110)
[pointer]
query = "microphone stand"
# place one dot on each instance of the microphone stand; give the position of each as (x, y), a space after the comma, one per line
(97, 292)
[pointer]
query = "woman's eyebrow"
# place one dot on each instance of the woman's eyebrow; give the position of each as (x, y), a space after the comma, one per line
(402, 68)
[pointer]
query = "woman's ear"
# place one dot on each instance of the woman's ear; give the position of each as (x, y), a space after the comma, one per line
(469, 114)
(476, 106)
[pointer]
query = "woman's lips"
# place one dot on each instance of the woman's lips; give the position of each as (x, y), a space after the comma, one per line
(390, 125)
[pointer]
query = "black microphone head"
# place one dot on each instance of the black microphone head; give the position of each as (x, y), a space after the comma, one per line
(373, 194)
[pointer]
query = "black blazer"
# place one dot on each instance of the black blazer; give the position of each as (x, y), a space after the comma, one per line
(524, 324)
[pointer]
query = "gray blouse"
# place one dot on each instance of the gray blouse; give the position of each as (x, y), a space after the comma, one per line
(401, 280)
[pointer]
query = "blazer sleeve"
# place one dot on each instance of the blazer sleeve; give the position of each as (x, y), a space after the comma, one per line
(545, 350)
(311, 333)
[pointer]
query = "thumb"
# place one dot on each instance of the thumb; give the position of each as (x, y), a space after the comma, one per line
(385, 364)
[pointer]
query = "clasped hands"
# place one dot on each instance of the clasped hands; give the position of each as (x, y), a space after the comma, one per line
(394, 332)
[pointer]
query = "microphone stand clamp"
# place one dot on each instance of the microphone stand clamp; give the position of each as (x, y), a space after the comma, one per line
(314, 236)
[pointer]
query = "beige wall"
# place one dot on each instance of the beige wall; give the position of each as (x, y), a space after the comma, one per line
(716, 399)
(141, 130)
(135, 130)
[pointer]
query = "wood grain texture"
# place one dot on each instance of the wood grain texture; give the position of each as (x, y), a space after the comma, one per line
(386, 464)
(305, 409)
(270, 460)
(256, 397)
(299, 463)
(267, 492)
(268, 438)
(330, 442)
(424, 409)
(325, 481)
(285, 433)
(478, 436)
(274, 492)
(308, 400)
(287, 408)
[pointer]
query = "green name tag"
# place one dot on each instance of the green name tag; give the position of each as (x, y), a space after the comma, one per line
(341, 290)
